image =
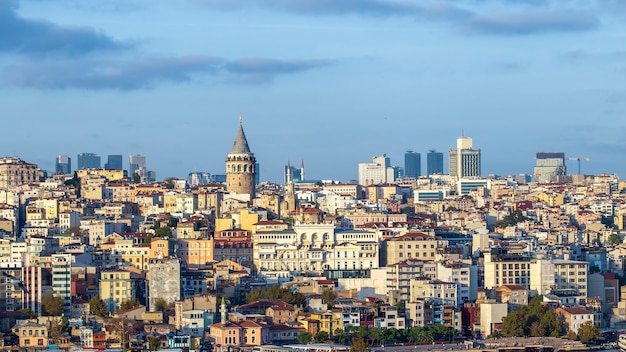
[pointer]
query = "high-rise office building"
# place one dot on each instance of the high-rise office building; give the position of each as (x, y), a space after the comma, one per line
(464, 160)
(88, 161)
(63, 165)
(134, 163)
(412, 164)
(549, 167)
(293, 174)
(434, 162)
(114, 162)
(137, 165)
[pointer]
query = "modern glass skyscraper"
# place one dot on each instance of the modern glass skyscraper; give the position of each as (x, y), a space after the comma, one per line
(434, 162)
(63, 165)
(412, 164)
(88, 161)
(114, 162)
(293, 174)
(135, 162)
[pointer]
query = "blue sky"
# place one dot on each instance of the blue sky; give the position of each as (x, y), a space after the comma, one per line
(330, 82)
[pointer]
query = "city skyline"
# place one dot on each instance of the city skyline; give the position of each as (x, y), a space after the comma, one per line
(169, 80)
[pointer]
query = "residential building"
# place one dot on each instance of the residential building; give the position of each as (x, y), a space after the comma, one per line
(574, 317)
(62, 278)
(32, 336)
(116, 286)
(164, 280)
(514, 295)
(412, 245)
(241, 166)
(434, 162)
(15, 171)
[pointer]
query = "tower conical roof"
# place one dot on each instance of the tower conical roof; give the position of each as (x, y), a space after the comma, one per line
(240, 146)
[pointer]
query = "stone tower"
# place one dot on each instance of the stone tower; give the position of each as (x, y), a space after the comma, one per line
(240, 166)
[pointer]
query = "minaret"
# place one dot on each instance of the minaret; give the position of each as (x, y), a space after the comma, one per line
(223, 311)
(302, 171)
(240, 165)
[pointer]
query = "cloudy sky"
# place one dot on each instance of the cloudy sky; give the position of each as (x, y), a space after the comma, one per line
(330, 82)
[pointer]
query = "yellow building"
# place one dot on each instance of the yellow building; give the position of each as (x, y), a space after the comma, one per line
(195, 251)
(552, 199)
(330, 320)
(32, 336)
(135, 254)
(161, 248)
(110, 175)
(413, 245)
(50, 206)
(116, 286)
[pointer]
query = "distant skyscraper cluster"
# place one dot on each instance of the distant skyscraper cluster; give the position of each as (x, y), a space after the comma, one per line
(137, 166)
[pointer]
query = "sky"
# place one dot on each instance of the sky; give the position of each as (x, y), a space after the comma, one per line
(328, 82)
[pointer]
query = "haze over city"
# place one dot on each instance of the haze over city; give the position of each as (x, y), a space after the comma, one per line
(332, 83)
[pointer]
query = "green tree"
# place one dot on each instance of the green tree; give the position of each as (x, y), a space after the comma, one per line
(64, 324)
(161, 305)
(51, 305)
(128, 304)
(153, 343)
(329, 297)
(136, 178)
(304, 337)
(520, 322)
(515, 217)
(341, 337)
(277, 292)
(163, 231)
(588, 332)
(615, 239)
(29, 312)
(321, 336)
(96, 306)
(359, 345)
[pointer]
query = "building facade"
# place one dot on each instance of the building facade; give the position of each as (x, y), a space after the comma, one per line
(434, 162)
(88, 161)
(412, 164)
(549, 166)
(464, 160)
(63, 165)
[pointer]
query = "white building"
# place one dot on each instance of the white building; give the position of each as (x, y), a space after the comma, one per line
(377, 172)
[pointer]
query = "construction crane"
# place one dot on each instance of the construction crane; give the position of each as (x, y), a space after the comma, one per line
(579, 159)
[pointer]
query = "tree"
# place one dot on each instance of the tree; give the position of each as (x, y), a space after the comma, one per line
(122, 328)
(277, 292)
(161, 305)
(28, 312)
(588, 332)
(359, 345)
(520, 322)
(341, 337)
(51, 305)
(304, 337)
(96, 306)
(136, 178)
(130, 303)
(153, 343)
(163, 231)
(330, 297)
(615, 239)
(321, 336)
